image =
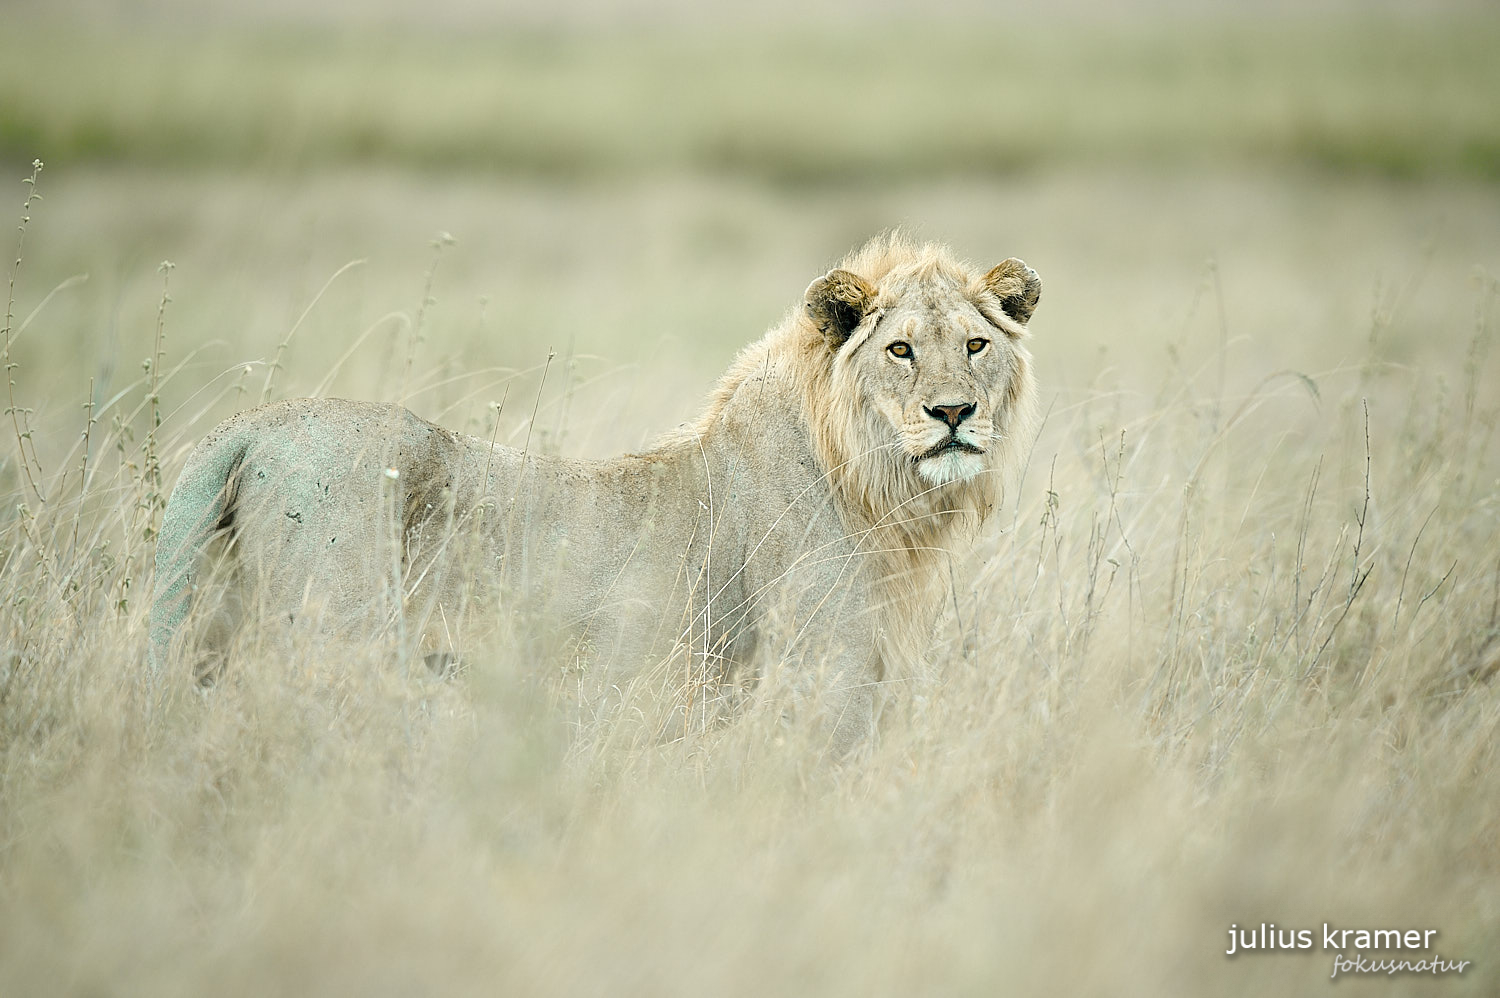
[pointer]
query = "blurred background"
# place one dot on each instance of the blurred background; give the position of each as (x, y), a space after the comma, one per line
(1233, 187)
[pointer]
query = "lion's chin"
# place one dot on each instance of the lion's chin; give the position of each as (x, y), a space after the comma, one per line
(950, 466)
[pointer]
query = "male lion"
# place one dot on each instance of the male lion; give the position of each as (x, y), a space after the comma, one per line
(801, 522)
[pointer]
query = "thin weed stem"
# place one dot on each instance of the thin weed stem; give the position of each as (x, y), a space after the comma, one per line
(153, 500)
(19, 416)
(281, 348)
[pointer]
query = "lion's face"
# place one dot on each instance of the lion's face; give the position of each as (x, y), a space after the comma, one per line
(937, 372)
(936, 361)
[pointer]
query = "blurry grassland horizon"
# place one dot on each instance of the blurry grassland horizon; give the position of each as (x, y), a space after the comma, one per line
(877, 100)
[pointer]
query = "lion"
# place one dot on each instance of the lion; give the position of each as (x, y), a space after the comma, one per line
(801, 522)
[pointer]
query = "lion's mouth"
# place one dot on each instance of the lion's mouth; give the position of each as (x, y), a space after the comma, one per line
(948, 446)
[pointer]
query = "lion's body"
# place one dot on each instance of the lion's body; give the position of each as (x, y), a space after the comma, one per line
(800, 520)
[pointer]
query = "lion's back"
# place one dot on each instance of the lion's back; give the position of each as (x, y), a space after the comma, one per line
(322, 489)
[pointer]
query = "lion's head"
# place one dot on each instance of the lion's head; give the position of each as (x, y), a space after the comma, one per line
(927, 387)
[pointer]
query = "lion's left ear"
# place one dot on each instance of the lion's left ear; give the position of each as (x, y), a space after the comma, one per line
(1018, 288)
(836, 302)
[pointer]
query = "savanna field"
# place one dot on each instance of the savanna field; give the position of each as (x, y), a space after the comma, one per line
(1227, 654)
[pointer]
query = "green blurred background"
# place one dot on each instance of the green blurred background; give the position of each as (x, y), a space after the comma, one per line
(1202, 186)
(865, 98)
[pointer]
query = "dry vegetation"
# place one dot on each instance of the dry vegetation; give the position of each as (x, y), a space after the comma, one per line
(1227, 655)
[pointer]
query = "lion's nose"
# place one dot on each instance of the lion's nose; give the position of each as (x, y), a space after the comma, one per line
(951, 413)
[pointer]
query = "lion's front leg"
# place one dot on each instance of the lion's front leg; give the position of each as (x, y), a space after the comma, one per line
(825, 669)
(847, 719)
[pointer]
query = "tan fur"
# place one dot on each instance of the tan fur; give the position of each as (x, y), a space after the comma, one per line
(803, 521)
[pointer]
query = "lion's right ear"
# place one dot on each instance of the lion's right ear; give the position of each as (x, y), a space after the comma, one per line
(836, 302)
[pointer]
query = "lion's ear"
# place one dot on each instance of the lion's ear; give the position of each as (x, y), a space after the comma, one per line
(836, 302)
(1018, 288)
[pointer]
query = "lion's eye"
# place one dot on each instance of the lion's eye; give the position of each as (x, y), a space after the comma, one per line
(977, 344)
(900, 349)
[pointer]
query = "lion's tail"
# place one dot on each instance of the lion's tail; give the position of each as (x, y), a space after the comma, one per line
(202, 503)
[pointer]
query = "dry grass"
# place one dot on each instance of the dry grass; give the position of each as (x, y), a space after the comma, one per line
(1219, 660)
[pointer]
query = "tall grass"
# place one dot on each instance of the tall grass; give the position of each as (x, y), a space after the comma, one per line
(1226, 655)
